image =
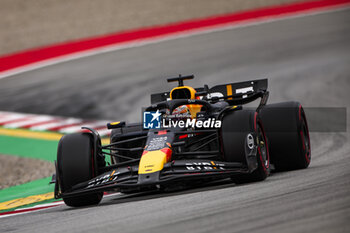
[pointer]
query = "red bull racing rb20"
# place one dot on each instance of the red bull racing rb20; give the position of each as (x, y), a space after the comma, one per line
(187, 136)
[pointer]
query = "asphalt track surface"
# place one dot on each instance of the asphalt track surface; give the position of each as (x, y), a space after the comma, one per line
(306, 59)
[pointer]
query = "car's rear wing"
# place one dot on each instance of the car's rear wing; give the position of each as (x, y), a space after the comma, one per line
(240, 93)
(237, 93)
(241, 88)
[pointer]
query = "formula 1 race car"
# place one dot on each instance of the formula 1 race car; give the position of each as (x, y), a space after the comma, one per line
(188, 136)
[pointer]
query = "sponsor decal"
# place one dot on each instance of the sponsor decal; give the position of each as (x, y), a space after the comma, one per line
(111, 177)
(244, 90)
(204, 166)
(157, 143)
(250, 141)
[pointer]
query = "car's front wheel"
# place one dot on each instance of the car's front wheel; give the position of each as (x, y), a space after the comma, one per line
(76, 163)
(244, 141)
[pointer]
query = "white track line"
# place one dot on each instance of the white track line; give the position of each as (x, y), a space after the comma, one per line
(29, 210)
(44, 205)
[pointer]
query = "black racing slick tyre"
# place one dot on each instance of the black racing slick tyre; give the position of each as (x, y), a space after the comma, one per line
(287, 130)
(244, 141)
(76, 163)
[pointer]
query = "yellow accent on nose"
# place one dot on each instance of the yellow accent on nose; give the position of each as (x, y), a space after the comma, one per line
(115, 123)
(152, 161)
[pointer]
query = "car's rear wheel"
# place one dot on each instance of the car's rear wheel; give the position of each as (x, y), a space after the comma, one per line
(287, 130)
(76, 163)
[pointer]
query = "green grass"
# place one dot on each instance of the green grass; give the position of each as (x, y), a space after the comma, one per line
(27, 147)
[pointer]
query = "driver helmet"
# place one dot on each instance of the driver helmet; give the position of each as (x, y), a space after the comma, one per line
(188, 110)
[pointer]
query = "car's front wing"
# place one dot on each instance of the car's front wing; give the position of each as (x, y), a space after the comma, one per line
(177, 170)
